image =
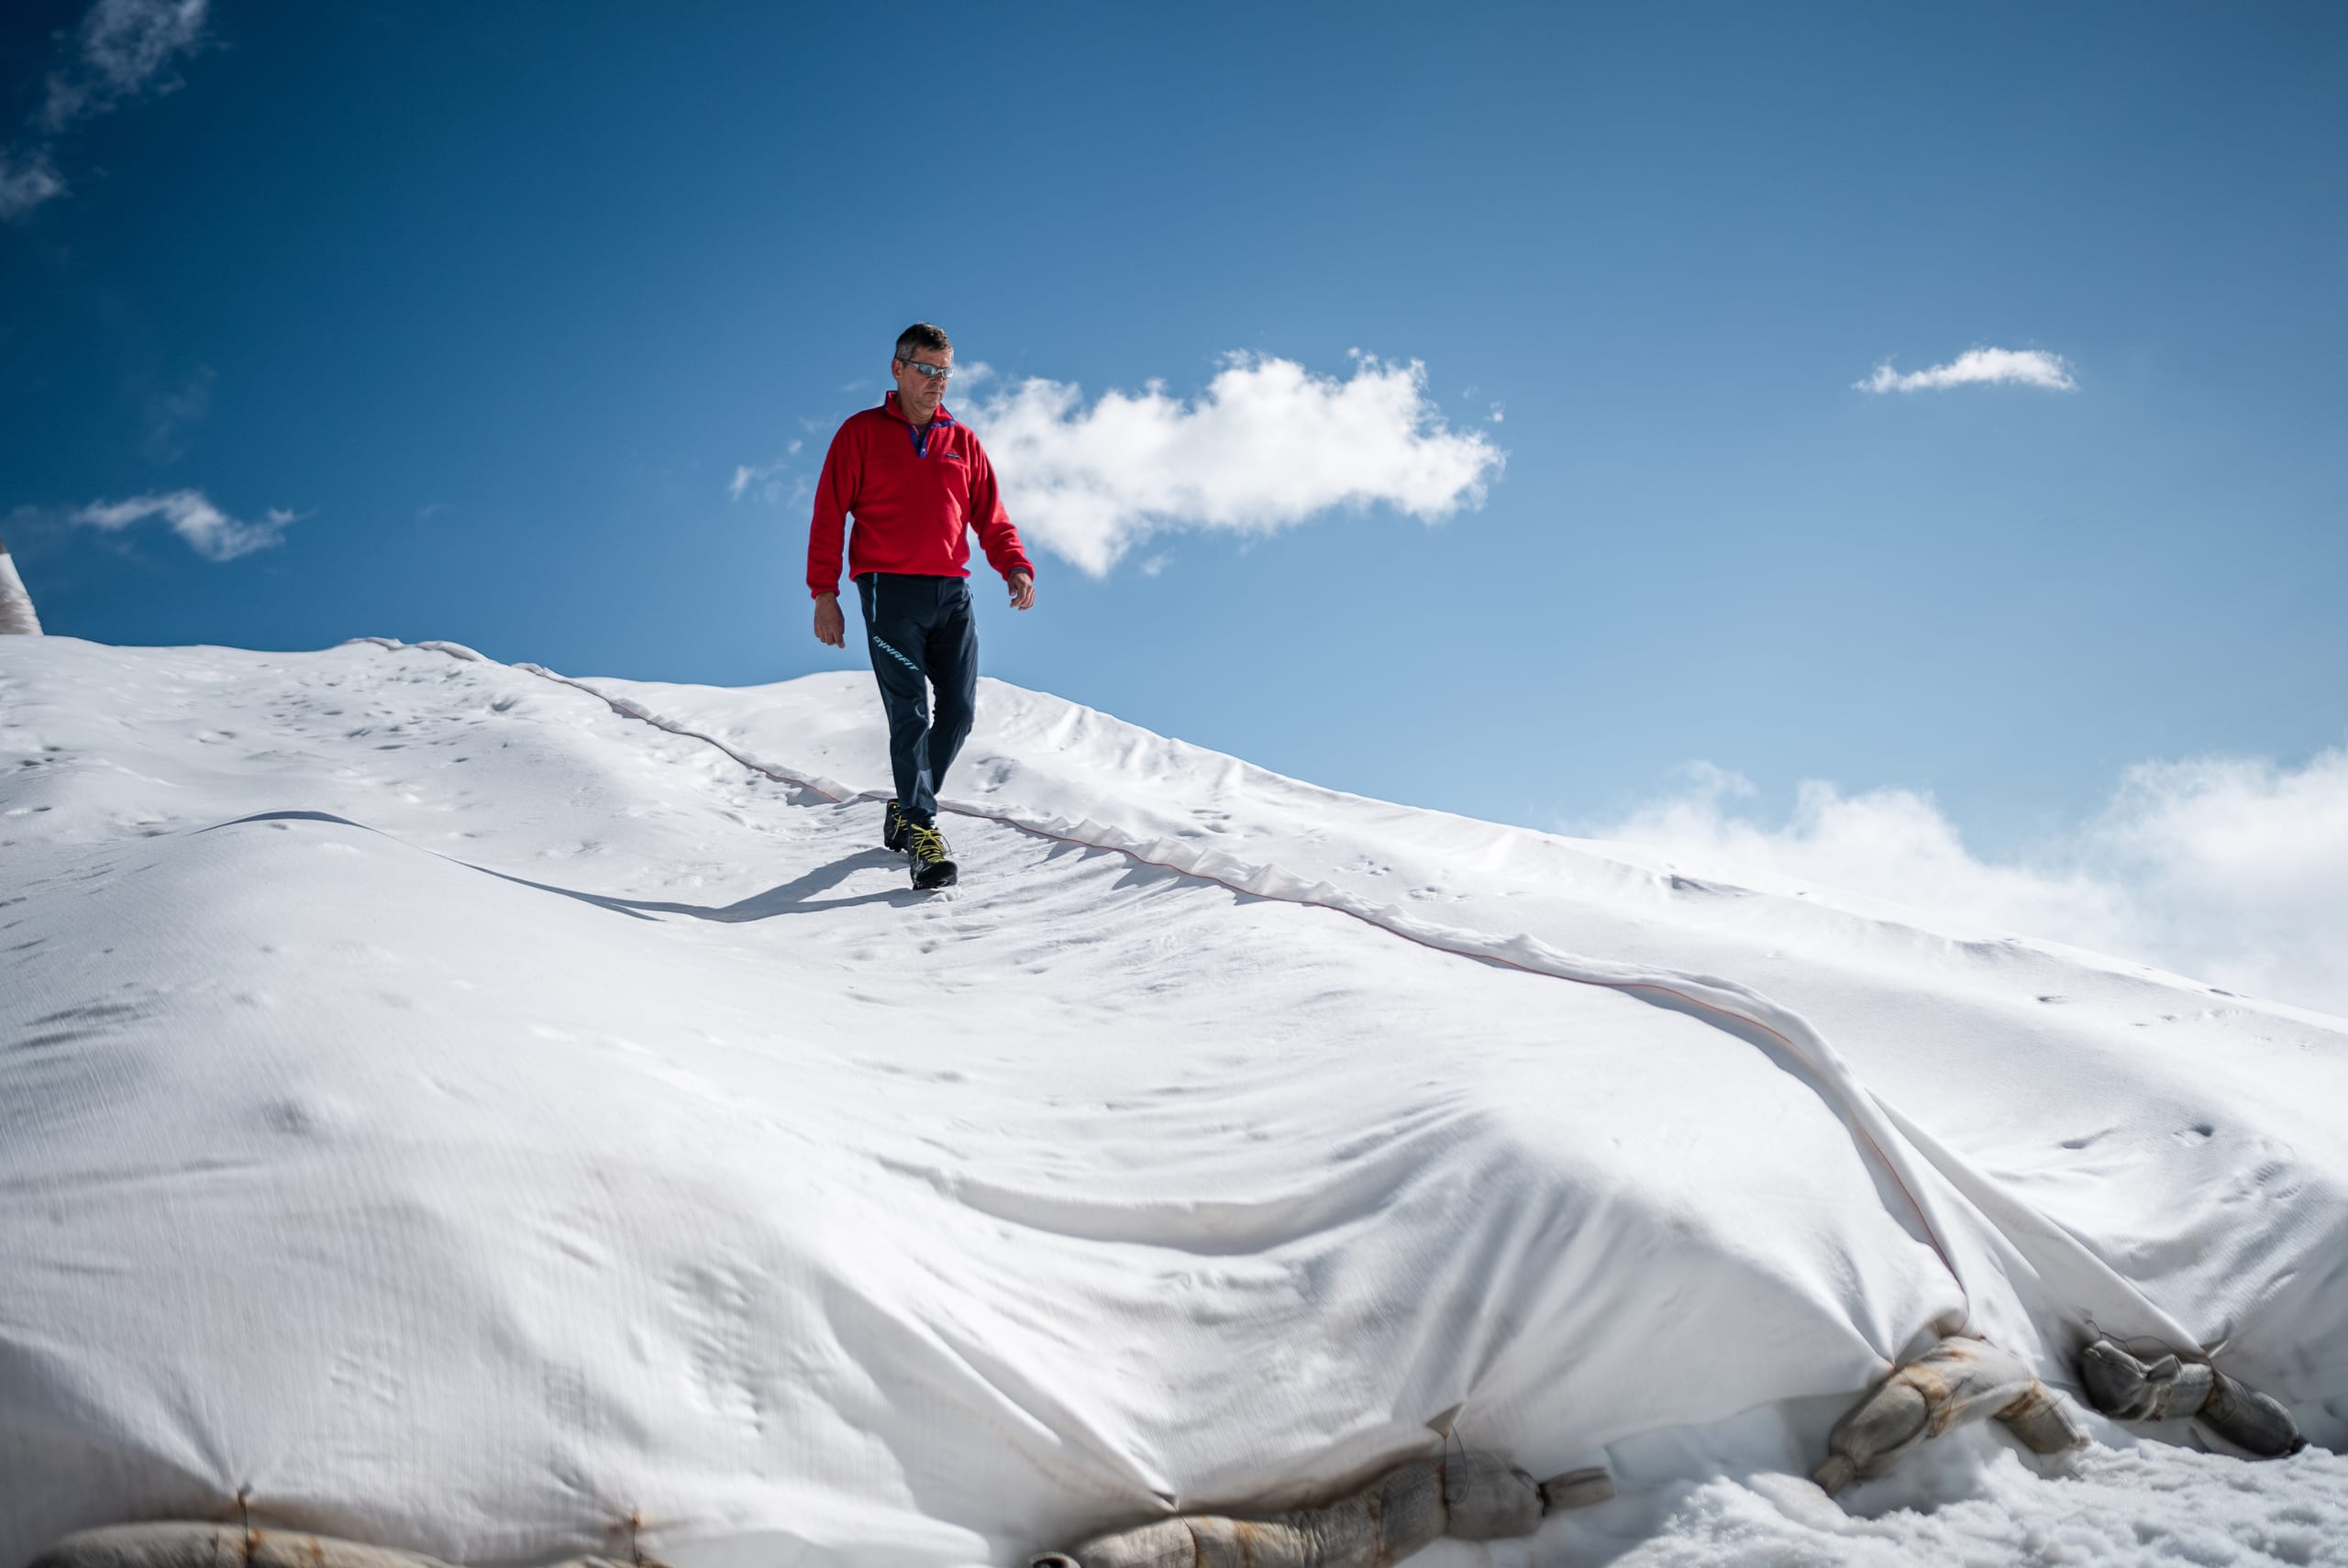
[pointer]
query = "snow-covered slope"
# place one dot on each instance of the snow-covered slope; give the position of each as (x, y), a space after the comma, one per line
(459, 1114)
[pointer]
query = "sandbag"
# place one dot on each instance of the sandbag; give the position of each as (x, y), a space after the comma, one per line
(1958, 1380)
(219, 1546)
(1576, 1489)
(235, 1546)
(2171, 1388)
(1472, 1496)
(2041, 1423)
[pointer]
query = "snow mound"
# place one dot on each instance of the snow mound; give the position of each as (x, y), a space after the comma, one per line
(451, 1112)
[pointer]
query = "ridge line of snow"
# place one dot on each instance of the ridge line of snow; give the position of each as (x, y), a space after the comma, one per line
(1895, 1140)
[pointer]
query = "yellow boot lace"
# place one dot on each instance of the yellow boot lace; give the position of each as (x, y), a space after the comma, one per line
(925, 842)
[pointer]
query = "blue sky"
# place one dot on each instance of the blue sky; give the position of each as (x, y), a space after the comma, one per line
(497, 302)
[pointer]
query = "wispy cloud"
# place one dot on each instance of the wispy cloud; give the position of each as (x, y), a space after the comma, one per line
(2229, 869)
(764, 482)
(27, 178)
(1267, 444)
(123, 49)
(209, 531)
(1979, 367)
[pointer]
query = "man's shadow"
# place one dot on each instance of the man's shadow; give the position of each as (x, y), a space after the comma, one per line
(794, 896)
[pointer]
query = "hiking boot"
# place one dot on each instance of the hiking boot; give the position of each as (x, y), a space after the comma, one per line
(892, 829)
(927, 848)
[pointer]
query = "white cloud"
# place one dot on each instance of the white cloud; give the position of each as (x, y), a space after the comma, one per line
(2233, 870)
(766, 482)
(27, 180)
(127, 42)
(1266, 445)
(123, 48)
(209, 531)
(1979, 367)
(125, 45)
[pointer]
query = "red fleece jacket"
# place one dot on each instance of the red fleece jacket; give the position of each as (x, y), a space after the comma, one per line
(915, 494)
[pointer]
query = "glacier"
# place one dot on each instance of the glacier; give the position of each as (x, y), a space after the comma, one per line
(453, 1106)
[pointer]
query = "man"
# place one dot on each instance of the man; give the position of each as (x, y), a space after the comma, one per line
(917, 481)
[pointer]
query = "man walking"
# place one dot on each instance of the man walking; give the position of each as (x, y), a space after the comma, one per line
(917, 481)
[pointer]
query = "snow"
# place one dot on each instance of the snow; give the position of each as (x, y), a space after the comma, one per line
(459, 1114)
(17, 616)
(1963, 1500)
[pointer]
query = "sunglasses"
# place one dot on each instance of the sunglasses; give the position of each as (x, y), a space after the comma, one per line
(933, 372)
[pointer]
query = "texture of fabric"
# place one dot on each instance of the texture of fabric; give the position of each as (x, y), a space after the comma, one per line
(915, 494)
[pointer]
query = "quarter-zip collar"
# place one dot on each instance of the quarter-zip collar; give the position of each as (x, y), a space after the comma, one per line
(920, 436)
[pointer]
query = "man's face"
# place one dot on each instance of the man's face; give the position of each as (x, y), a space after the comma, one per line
(917, 394)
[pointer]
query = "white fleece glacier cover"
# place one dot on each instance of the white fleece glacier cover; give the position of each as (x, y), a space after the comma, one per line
(450, 1111)
(18, 617)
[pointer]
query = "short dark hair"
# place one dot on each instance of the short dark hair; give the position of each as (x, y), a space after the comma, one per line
(921, 335)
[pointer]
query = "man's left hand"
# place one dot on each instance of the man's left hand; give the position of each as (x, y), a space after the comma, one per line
(1023, 590)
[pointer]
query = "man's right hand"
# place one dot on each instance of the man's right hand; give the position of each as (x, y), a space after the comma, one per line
(831, 626)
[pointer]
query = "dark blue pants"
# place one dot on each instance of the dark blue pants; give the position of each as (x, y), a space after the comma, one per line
(922, 633)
